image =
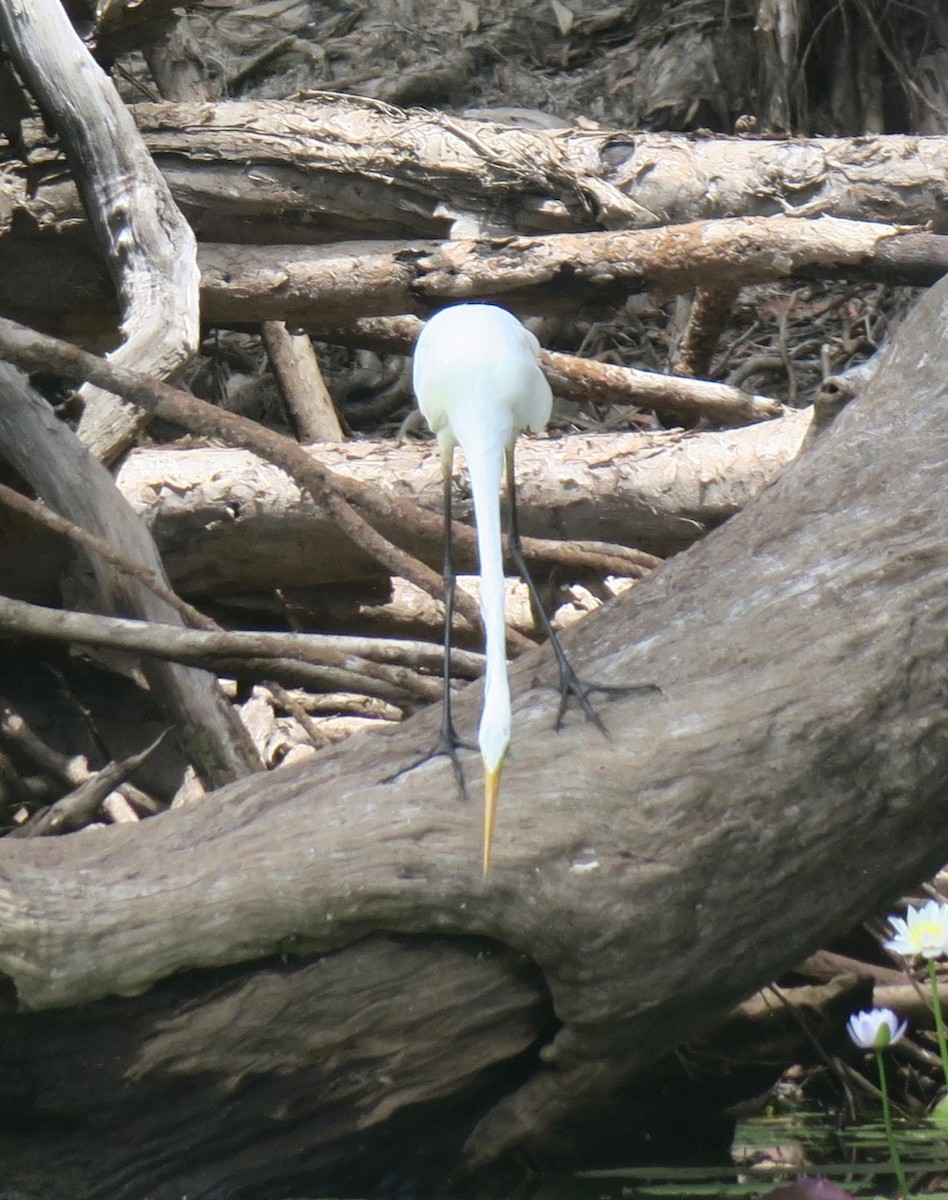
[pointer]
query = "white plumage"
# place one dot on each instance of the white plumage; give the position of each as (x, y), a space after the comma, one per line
(478, 382)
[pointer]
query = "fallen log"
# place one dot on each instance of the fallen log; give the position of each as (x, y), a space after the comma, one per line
(225, 520)
(333, 167)
(789, 778)
(319, 288)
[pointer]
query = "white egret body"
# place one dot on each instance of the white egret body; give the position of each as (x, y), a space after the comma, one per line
(478, 381)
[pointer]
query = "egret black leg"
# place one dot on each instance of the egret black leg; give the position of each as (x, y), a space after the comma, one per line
(448, 742)
(570, 684)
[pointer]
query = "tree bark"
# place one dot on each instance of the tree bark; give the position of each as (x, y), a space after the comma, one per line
(227, 522)
(324, 288)
(342, 168)
(554, 273)
(339, 167)
(50, 457)
(216, 512)
(149, 246)
(789, 777)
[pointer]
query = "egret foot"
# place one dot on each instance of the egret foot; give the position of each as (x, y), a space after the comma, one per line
(570, 684)
(572, 687)
(448, 744)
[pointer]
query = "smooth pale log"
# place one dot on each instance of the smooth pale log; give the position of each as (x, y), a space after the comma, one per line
(227, 521)
(148, 245)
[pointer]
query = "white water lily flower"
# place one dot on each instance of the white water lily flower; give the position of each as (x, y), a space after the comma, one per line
(923, 931)
(875, 1028)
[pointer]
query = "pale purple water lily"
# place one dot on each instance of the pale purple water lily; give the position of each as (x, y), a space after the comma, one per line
(875, 1028)
(922, 932)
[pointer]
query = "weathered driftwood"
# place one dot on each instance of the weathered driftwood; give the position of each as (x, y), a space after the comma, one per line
(226, 521)
(305, 395)
(790, 776)
(49, 456)
(134, 1056)
(422, 170)
(321, 287)
(333, 167)
(149, 247)
(276, 655)
(557, 272)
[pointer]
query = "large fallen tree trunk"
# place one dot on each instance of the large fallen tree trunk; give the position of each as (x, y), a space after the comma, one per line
(790, 775)
(324, 287)
(225, 520)
(337, 167)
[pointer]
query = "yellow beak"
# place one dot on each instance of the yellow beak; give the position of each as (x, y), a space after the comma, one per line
(491, 788)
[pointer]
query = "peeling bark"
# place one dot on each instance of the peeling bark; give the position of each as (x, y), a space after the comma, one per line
(225, 521)
(408, 164)
(319, 288)
(341, 167)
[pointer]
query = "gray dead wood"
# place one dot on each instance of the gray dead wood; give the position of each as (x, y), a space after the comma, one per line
(226, 521)
(150, 248)
(555, 272)
(305, 395)
(274, 653)
(320, 288)
(176, 61)
(49, 456)
(791, 776)
(221, 1039)
(337, 168)
(215, 1083)
(421, 172)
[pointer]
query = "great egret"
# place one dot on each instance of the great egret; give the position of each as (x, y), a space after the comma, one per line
(479, 384)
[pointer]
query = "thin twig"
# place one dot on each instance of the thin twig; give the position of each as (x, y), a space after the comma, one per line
(39, 512)
(608, 557)
(71, 769)
(329, 670)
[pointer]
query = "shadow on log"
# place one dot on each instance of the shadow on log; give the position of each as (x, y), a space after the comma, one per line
(790, 777)
(239, 1083)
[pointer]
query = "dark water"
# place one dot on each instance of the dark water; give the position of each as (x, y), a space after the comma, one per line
(773, 1152)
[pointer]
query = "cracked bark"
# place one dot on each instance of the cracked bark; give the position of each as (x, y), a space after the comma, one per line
(791, 775)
